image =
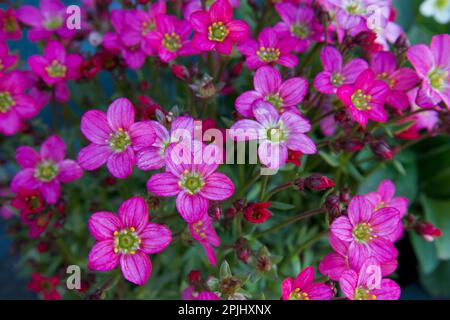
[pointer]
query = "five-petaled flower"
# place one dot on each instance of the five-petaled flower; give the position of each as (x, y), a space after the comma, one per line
(303, 288)
(126, 238)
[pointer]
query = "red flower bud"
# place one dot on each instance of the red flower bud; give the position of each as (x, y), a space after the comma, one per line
(318, 182)
(257, 212)
(352, 145)
(194, 276)
(382, 150)
(427, 230)
(332, 207)
(181, 72)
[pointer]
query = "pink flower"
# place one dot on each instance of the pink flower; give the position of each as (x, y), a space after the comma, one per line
(9, 26)
(193, 184)
(269, 87)
(433, 67)
(364, 286)
(203, 231)
(45, 170)
(367, 232)
(384, 64)
(153, 157)
(47, 20)
(365, 98)
(299, 23)
(131, 30)
(383, 198)
(335, 73)
(424, 120)
(15, 105)
(126, 238)
(47, 286)
(194, 5)
(6, 60)
(335, 263)
(303, 288)
(56, 65)
(269, 49)
(275, 133)
(115, 138)
(215, 29)
(171, 38)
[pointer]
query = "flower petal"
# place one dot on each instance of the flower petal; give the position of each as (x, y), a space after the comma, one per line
(136, 268)
(24, 179)
(102, 256)
(142, 134)
(348, 283)
(359, 210)
(267, 80)
(389, 290)
(27, 157)
(120, 164)
(293, 91)
(102, 225)
(120, 114)
(53, 148)
(155, 238)
(95, 127)
(217, 187)
(69, 170)
(385, 221)
(51, 191)
(150, 159)
(304, 279)
(163, 184)
(134, 213)
(93, 156)
(342, 229)
(191, 207)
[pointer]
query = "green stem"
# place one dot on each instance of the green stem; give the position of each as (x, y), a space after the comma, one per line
(289, 221)
(275, 190)
(264, 182)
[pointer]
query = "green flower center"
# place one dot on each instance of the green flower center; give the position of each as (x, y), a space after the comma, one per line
(10, 24)
(119, 140)
(192, 182)
(6, 101)
(276, 134)
(441, 4)
(438, 78)
(337, 79)
(147, 26)
(126, 241)
(362, 232)
(217, 31)
(298, 295)
(354, 8)
(53, 23)
(363, 294)
(268, 54)
(56, 69)
(46, 171)
(171, 41)
(300, 30)
(361, 101)
(275, 100)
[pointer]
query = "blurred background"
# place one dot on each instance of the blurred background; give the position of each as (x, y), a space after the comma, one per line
(424, 267)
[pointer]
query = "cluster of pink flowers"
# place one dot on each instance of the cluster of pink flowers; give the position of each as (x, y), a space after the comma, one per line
(364, 245)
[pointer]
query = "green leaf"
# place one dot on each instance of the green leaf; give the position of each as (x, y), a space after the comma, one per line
(330, 159)
(425, 252)
(436, 283)
(225, 271)
(281, 205)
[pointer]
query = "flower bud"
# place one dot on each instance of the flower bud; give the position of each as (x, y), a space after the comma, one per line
(352, 145)
(194, 277)
(333, 208)
(318, 182)
(257, 212)
(382, 150)
(181, 72)
(427, 230)
(243, 251)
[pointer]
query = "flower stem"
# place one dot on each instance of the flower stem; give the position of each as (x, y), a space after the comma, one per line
(298, 217)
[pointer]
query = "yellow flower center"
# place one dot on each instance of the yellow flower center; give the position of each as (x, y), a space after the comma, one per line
(126, 241)
(268, 54)
(217, 32)
(361, 101)
(56, 69)
(171, 41)
(6, 101)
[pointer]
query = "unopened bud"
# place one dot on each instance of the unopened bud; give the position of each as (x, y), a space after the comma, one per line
(318, 182)
(382, 150)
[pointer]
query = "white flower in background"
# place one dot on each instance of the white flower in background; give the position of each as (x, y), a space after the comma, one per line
(439, 9)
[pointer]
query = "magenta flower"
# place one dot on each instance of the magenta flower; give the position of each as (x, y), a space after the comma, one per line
(352, 14)
(56, 65)
(275, 133)
(269, 49)
(171, 38)
(153, 156)
(384, 64)
(364, 286)
(15, 105)
(45, 170)
(299, 23)
(365, 98)
(269, 87)
(193, 184)
(383, 198)
(433, 67)
(6, 60)
(126, 238)
(115, 138)
(194, 5)
(203, 231)
(131, 28)
(367, 232)
(303, 288)
(47, 20)
(335, 73)
(334, 264)
(9, 26)
(215, 29)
